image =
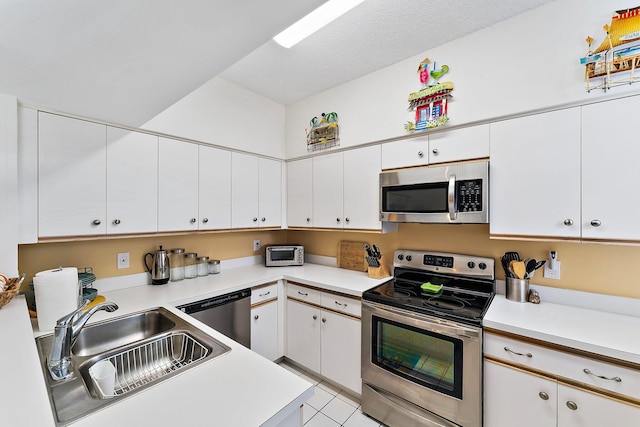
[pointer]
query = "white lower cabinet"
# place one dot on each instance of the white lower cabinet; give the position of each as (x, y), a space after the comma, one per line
(264, 330)
(323, 340)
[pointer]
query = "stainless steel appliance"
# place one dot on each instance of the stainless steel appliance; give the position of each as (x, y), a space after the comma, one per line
(228, 314)
(283, 255)
(159, 268)
(455, 193)
(422, 340)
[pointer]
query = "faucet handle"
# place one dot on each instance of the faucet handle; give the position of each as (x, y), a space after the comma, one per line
(68, 318)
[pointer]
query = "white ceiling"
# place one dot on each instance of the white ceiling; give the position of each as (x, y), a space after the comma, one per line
(125, 61)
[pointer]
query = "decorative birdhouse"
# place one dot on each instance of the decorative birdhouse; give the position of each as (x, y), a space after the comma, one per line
(431, 103)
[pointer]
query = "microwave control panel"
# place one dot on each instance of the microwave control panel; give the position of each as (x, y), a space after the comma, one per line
(469, 195)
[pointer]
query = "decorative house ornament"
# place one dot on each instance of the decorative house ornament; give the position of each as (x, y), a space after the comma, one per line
(432, 101)
(324, 132)
(619, 52)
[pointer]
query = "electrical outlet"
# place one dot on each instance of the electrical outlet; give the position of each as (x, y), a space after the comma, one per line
(123, 260)
(256, 245)
(552, 274)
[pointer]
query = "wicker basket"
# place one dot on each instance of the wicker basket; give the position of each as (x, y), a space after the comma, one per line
(11, 290)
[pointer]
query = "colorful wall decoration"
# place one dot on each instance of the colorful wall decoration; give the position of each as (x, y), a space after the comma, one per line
(431, 103)
(324, 132)
(619, 52)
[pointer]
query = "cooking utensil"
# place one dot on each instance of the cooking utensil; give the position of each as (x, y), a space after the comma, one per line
(518, 269)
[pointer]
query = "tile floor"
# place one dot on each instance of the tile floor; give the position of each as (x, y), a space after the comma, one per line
(329, 406)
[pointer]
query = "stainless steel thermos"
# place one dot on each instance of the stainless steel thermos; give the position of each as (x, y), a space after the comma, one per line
(159, 269)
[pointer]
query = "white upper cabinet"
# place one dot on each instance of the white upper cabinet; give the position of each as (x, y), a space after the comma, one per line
(328, 191)
(270, 192)
(535, 175)
(72, 177)
(178, 185)
(27, 175)
(300, 193)
(459, 144)
(132, 182)
(610, 154)
(214, 188)
(406, 153)
(256, 191)
(361, 188)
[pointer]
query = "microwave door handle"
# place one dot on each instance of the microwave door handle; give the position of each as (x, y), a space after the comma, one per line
(451, 198)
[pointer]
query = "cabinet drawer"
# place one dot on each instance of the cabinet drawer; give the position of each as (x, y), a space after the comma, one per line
(303, 293)
(565, 365)
(264, 293)
(341, 304)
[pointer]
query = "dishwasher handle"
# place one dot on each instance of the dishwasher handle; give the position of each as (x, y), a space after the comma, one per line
(212, 302)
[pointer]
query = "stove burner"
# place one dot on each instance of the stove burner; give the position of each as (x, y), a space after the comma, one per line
(398, 293)
(446, 303)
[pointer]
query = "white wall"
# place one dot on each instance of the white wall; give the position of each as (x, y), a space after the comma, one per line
(225, 114)
(525, 63)
(8, 185)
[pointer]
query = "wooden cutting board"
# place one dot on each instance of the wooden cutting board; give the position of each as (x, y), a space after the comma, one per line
(351, 255)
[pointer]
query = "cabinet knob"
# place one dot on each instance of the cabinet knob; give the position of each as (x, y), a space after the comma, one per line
(116, 221)
(308, 219)
(315, 317)
(596, 222)
(337, 219)
(263, 219)
(420, 154)
(255, 219)
(572, 405)
(324, 320)
(435, 151)
(192, 220)
(543, 395)
(568, 221)
(96, 222)
(205, 220)
(256, 317)
(347, 219)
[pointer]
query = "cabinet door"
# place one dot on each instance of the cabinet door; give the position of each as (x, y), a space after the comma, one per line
(327, 191)
(535, 175)
(581, 408)
(244, 190)
(405, 153)
(340, 350)
(178, 185)
(214, 207)
(72, 177)
(362, 188)
(459, 144)
(270, 192)
(27, 175)
(264, 330)
(516, 398)
(132, 182)
(300, 193)
(303, 334)
(609, 167)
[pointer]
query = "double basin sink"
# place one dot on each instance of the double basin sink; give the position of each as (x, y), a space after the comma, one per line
(144, 347)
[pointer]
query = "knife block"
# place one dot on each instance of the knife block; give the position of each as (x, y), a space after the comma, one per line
(379, 272)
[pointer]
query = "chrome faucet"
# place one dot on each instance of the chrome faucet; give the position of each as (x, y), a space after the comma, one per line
(65, 334)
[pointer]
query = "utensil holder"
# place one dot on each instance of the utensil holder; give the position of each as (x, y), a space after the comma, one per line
(379, 272)
(517, 289)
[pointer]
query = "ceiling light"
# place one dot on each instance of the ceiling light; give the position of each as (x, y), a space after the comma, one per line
(314, 21)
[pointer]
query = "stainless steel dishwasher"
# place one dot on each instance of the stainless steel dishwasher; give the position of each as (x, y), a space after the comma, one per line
(228, 314)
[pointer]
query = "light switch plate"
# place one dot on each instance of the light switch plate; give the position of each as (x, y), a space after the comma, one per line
(552, 274)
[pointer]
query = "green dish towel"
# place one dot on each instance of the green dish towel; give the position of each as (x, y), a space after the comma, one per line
(430, 288)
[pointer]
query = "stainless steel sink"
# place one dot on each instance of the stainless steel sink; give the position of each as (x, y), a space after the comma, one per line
(145, 348)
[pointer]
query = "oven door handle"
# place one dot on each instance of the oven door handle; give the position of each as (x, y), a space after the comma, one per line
(451, 198)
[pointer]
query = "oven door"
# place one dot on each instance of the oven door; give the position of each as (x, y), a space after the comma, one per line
(434, 364)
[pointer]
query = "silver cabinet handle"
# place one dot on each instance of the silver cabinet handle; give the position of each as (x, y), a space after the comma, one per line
(193, 220)
(572, 405)
(116, 221)
(265, 294)
(516, 353)
(420, 154)
(256, 317)
(304, 294)
(543, 395)
(255, 219)
(347, 219)
(340, 304)
(435, 151)
(337, 219)
(315, 317)
(308, 219)
(263, 219)
(616, 379)
(205, 220)
(451, 198)
(568, 221)
(596, 222)
(96, 222)
(324, 320)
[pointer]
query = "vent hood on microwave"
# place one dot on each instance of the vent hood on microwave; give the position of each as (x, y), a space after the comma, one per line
(447, 194)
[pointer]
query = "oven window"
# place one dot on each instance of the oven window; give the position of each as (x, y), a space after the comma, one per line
(419, 198)
(282, 254)
(423, 357)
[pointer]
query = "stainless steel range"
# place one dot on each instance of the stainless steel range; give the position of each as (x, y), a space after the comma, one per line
(422, 340)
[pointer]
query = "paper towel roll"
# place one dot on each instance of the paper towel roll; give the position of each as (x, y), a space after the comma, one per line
(56, 295)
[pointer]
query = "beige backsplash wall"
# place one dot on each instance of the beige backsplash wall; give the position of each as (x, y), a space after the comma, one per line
(596, 268)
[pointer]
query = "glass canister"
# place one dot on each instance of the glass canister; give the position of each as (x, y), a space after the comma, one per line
(176, 261)
(190, 265)
(214, 266)
(203, 266)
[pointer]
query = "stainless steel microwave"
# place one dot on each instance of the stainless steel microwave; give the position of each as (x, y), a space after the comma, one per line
(451, 194)
(283, 255)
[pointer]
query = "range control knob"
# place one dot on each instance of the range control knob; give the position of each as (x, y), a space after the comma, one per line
(471, 264)
(482, 266)
(409, 258)
(400, 257)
